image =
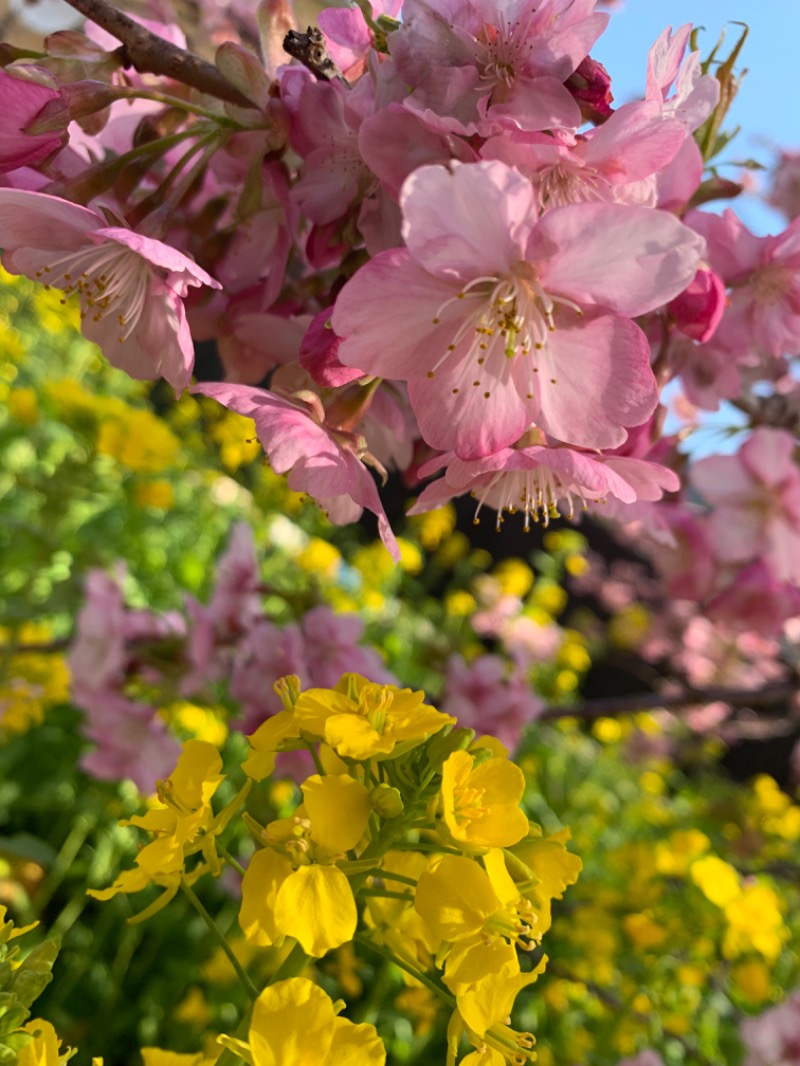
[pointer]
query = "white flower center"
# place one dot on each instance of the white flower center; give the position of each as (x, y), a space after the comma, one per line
(505, 317)
(111, 279)
(539, 494)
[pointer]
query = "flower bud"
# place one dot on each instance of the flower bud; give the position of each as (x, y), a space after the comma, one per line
(386, 801)
(444, 745)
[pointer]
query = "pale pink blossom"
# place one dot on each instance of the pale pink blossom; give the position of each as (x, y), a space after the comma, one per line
(764, 276)
(131, 287)
(541, 482)
(481, 65)
(321, 460)
(98, 654)
(236, 600)
(616, 162)
(696, 94)
(784, 192)
(21, 100)
(756, 600)
(485, 696)
(497, 320)
(755, 501)
(644, 1058)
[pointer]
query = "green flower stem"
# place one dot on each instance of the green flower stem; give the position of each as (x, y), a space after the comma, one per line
(247, 984)
(182, 105)
(293, 965)
(229, 859)
(423, 845)
(386, 875)
(387, 953)
(317, 760)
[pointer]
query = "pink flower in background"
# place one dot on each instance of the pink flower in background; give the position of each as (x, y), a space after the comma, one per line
(129, 742)
(773, 1038)
(98, 654)
(755, 500)
(236, 600)
(756, 600)
(497, 320)
(21, 101)
(131, 287)
(484, 696)
(331, 642)
(265, 654)
(764, 276)
(644, 1058)
(323, 461)
(697, 311)
(784, 193)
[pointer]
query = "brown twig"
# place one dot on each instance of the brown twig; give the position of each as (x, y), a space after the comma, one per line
(651, 701)
(150, 54)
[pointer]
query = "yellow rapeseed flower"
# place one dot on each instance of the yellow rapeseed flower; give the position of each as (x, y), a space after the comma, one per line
(360, 719)
(295, 1023)
(139, 441)
(479, 805)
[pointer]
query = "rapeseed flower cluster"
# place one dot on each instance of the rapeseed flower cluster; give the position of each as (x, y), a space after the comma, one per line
(408, 842)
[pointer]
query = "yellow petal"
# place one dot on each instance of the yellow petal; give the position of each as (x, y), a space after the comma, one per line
(292, 1024)
(338, 808)
(197, 776)
(355, 1045)
(455, 898)
(353, 737)
(263, 877)
(315, 905)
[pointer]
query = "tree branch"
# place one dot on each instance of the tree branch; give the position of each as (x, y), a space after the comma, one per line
(688, 697)
(150, 54)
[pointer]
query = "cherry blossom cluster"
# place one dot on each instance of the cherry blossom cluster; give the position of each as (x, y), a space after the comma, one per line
(447, 253)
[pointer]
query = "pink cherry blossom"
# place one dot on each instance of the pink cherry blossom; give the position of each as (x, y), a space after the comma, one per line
(129, 742)
(755, 500)
(696, 94)
(479, 65)
(131, 287)
(542, 481)
(321, 460)
(485, 696)
(615, 162)
(21, 100)
(756, 600)
(764, 276)
(497, 320)
(265, 654)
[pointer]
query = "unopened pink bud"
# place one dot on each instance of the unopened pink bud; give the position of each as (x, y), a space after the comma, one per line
(697, 311)
(590, 86)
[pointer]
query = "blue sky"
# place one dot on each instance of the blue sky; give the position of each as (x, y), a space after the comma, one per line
(766, 105)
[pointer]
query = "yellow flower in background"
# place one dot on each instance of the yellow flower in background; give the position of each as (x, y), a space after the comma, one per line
(319, 557)
(411, 559)
(479, 804)
(236, 437)
(158, 494)
(675, 855)
(360, 719)
(295, 1023)
(139, 441)
(752, 979)
(33, 681)
(203, 723)
(433, 527)
(643, 931)
(716, 879)
(460, 604)
(514, 577)
(23, 406)
(755, 923)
